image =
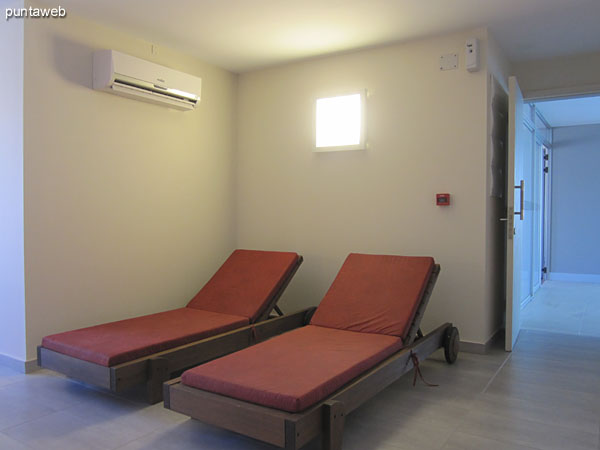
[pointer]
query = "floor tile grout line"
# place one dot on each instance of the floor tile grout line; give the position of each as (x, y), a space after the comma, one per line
(525, 443)
(471, 405)
(125, 444)
(10, 383)
(496, 374)
(457, 429)
(17, 441)
(21, 380)
(3, 430)
(545, 423)
(505, 441)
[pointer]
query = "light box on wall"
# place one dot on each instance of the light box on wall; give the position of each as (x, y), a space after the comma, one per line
(340, 122)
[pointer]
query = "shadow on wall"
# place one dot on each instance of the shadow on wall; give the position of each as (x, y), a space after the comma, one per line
(73, 61)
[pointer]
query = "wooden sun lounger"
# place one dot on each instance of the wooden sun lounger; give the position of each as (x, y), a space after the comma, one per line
(153, 370)
(326, 418)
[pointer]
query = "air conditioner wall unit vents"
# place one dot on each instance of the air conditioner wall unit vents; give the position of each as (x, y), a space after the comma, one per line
(139, 79)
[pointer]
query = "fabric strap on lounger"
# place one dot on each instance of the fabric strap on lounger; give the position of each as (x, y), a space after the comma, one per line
(415, 361)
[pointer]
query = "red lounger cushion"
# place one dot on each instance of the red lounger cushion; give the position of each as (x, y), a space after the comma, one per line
(294, 370)
(117, 342)
(375, 294)
(245, 283)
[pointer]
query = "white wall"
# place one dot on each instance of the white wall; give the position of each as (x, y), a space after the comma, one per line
(129, 206)
(427, 134)
(12, 295)
(559, 76)
(498, 64)
(575, 207)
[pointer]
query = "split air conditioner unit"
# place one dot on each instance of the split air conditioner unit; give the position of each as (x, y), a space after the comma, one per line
(136, 78)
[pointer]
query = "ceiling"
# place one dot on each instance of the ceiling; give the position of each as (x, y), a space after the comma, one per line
(571, 111)
(242, 35)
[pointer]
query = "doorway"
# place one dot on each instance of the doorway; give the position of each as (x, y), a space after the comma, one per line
(537, 142)
(559, 263)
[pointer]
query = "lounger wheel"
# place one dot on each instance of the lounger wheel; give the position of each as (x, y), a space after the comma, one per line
(451, 345)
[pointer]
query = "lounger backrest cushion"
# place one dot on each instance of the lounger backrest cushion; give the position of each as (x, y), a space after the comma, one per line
(246, 283)
(375, 294)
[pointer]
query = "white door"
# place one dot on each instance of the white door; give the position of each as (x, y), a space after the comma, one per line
(518, 145)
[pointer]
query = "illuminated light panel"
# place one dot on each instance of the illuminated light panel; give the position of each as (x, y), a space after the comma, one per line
(339, 122)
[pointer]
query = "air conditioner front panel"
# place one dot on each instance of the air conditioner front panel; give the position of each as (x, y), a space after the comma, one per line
(149, 72)
(136, 78)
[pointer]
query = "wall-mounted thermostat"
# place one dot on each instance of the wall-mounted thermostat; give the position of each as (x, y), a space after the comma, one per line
(472, 54)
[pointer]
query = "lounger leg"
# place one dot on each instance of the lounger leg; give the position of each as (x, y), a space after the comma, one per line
(333, 425)
(158, 373)
(290, 435)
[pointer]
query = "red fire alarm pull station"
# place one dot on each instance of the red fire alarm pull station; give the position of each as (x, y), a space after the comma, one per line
(442, 199)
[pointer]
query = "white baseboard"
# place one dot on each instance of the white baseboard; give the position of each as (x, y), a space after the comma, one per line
(483, 348)
(473, 347)
(526, 302)
(31, 365)
(575, 277)
(18, 364)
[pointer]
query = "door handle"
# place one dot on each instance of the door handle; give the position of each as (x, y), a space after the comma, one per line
(521, 187)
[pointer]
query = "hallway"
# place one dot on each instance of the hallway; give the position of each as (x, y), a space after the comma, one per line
(564, 307)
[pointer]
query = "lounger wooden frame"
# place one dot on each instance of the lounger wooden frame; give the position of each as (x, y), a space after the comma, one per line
(155, 369)
(326, 419)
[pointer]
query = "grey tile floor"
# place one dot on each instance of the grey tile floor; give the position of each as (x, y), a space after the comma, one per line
(564, 307)
(544, 395)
